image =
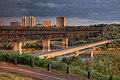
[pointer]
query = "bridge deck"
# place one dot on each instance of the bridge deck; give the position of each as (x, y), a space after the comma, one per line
(71, 49)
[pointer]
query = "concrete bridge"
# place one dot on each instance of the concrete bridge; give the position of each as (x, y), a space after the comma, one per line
(71, 49)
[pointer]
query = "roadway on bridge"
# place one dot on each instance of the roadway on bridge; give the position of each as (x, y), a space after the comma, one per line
(71, 49)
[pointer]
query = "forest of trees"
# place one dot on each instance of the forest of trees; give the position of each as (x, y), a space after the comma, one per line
(109, 32)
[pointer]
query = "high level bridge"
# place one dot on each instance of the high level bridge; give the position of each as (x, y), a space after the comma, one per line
(18, 35)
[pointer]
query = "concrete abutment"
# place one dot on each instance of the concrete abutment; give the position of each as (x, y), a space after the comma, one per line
(17, 47)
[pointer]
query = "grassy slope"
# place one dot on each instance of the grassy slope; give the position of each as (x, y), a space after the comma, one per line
(79, 70)
(9, 76)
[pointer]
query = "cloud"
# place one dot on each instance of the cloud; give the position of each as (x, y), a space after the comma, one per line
(24, 1)
(87, 9)
(19, 1)
(49, 5)
(23, 10)
(98, 1)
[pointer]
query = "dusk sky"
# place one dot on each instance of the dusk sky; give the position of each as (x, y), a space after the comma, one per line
(95, 10)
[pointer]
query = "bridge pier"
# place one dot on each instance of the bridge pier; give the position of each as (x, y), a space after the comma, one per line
(77, 53)
(64, 42)
(46, 45)
(94, 48)
(17, 47)
(92, 52)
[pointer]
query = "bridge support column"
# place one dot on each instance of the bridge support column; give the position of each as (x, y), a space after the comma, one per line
(92, 52)
(64, 42)
(17, 46)
(77, 53)
(94, 48)
(46, 45)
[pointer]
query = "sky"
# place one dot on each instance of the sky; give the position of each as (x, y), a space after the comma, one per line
(96, 11)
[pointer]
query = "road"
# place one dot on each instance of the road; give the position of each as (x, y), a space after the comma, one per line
(36, 73)
(71, 49)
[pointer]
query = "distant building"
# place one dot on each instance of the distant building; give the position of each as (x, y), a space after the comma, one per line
(47, 23)
(1, 24)
(61, 21)
(39, 25)
(24, 21)
(32, 21)
(15, 24)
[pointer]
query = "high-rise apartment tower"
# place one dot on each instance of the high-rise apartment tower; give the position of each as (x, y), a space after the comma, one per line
(24, 21)
(32, 21)
(61, 21)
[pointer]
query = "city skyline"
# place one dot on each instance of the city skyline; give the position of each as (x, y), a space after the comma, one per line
(71, 21)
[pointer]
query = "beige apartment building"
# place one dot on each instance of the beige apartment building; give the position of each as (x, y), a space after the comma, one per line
(47, 23)
(61, 21)
(15, 24)
(24, 21)
(32, 21)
